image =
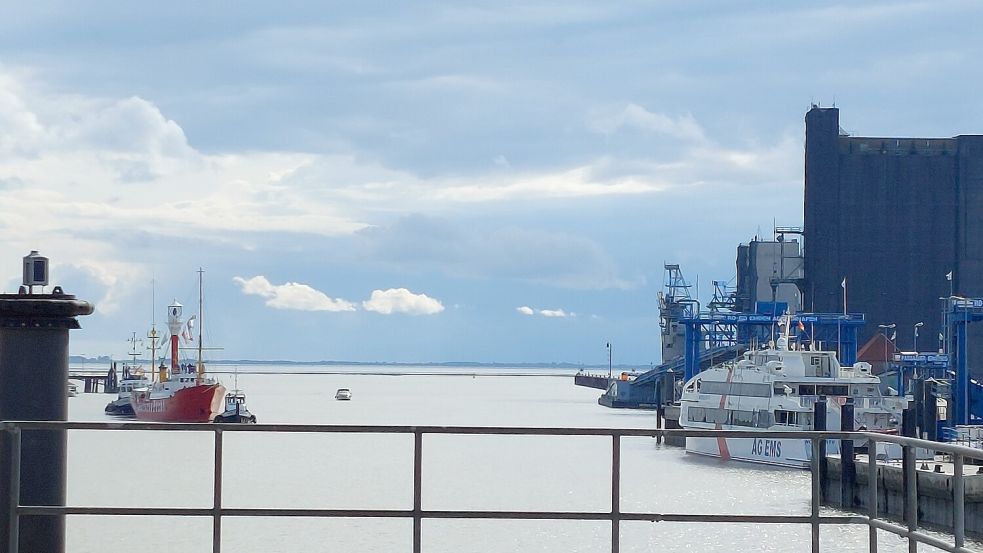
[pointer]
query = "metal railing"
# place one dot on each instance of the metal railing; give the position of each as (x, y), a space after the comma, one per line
(217, 512)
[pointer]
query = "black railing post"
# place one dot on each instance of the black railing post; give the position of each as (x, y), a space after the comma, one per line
(615, 493)
(417, 490)
(217, 495)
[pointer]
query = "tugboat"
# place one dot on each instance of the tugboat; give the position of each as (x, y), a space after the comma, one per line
(183, 393)
(235, 409)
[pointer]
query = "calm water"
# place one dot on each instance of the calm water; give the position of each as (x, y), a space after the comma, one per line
(131, 469)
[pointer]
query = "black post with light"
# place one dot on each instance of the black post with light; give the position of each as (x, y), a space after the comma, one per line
(33, 380)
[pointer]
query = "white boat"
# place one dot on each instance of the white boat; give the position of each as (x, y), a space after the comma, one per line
(343, 394)
(73, 388)
(775, 389)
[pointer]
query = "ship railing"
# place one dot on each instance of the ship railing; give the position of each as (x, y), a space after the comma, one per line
(815, 519)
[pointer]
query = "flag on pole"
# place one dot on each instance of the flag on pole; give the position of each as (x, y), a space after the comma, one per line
(948, 276)
(843, 285)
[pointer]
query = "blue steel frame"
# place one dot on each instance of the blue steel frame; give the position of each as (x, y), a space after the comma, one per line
(959, 313)
(835, 328)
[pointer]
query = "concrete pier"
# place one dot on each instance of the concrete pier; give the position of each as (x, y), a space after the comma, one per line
(934, 492)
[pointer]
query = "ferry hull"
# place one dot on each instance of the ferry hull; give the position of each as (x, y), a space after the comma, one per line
(782, 452)
(192, 404)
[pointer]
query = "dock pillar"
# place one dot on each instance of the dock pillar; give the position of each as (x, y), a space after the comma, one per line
(819, 424)
(848, 476)
(33, 378)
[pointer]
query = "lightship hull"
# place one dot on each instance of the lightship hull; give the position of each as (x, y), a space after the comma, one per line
(192, 404)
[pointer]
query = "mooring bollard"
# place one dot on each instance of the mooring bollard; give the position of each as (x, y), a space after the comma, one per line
(33, 387)
(848, 468)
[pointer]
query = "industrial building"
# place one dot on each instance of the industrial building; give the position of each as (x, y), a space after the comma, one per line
(901, 220)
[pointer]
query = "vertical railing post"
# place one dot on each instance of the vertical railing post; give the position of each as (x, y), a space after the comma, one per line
(958, 501)
(417, 489)
(911, 495)
(615, 493)
(814, 500)
(13, 528)
(872, 491)
(217, 495)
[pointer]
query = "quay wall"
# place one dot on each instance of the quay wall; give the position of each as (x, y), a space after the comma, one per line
(934, 495)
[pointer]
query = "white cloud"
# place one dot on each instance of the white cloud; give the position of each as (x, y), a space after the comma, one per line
(291, 295)
(401, 300)
(610, 120)
(548, 313)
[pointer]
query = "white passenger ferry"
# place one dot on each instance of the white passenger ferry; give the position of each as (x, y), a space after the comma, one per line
(776, 389)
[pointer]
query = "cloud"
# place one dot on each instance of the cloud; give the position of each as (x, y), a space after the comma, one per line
(291, 295)
(401, 300)
(549, 313)
(610, 120)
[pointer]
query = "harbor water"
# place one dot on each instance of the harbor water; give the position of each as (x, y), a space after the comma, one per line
(174, 469)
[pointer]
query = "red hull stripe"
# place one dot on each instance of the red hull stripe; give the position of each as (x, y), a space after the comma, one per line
(721, 441)
(193, 404)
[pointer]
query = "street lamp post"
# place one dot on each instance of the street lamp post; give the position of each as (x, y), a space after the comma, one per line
(914, 344)
(887, 362)
(609, 360)
(886, 340)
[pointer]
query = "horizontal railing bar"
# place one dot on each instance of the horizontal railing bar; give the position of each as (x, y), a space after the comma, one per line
(922, 537)
(490, 430)
(408, 513)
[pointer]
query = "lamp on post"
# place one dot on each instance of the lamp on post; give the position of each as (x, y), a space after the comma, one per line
(914, 344)
(887, 362)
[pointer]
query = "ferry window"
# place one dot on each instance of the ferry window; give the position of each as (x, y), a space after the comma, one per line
(764, 419)
(742, 418)
(696, 414)
(719, 388)
(834, 390)
(807, 390)
(717, 416)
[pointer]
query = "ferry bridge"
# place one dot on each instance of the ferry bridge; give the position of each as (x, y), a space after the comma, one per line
(713, 337)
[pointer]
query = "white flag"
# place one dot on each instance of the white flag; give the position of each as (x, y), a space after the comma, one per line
(948, 276)
(843, 284)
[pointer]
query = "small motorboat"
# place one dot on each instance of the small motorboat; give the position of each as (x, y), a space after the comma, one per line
(73, 388)
(235, 409)
(343, 394)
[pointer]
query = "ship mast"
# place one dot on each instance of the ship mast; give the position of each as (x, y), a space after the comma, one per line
(201, 323)
(152, 335)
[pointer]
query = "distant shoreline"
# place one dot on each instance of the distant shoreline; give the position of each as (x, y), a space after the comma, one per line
(78, 360)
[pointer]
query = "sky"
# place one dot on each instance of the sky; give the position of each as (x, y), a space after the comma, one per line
(435, 181)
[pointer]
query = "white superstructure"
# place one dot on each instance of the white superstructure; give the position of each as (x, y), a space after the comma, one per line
(776, 389)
